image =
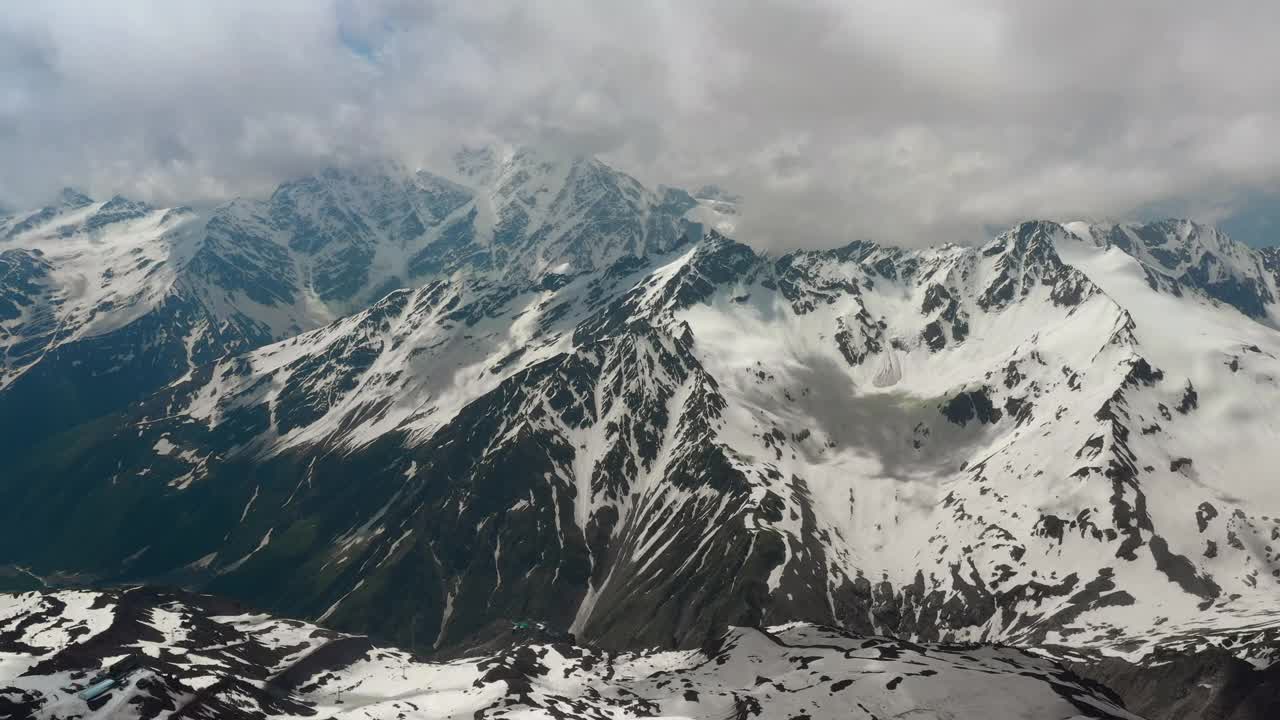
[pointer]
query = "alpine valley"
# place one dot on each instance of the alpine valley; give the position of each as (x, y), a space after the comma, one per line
(704, 481)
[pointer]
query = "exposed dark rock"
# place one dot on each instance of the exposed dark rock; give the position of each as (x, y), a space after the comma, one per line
(971, 404)
(1204, 514)
(1208, 685)
(1182, 571)
(1190, 399)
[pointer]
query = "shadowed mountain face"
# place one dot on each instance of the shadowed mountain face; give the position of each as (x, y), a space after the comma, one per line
(582, 409)
(1212, 684)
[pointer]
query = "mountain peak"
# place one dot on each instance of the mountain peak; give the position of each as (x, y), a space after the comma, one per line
(1169, 241)
(715, 193)
(120, 202)
(1178, 254)
(491, 164)
(1031, 240)
(72, 198)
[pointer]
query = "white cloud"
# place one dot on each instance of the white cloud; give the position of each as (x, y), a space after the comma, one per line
(914, 121)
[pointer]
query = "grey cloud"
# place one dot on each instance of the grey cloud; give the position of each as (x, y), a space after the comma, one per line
(909, 122)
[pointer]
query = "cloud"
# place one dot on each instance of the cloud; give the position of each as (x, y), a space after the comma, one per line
(908, 122)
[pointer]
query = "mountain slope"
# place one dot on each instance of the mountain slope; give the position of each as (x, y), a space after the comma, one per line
(1005, 443)
(1178, 256)
(199, 657)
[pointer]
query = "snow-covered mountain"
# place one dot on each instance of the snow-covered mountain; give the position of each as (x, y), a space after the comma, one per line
(104, 302)
(1061, 439)
(410, 405)
(1179, 255)
(142, 654)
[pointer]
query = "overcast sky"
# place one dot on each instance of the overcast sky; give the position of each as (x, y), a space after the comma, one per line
(904, 121)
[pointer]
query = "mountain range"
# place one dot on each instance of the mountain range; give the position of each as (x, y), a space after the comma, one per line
(411, 405)
(86, 284)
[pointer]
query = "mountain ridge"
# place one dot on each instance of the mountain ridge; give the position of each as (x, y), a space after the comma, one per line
(85, 281)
